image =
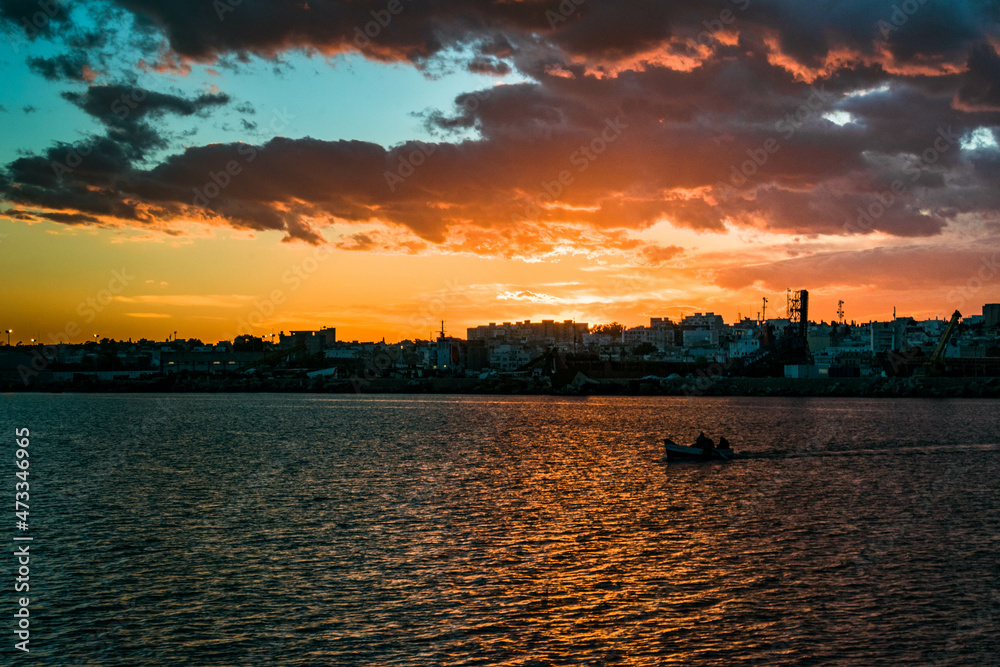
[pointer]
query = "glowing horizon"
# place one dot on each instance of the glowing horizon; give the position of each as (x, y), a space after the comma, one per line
(492, 162)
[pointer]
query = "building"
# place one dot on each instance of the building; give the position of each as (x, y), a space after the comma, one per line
(314, 342)
(700, 338)
(887, 336)
(991, 315)
(550, 331)
(802, 371)
(843, 358)
(208, 361)
(702, 330)
(508, 357)
(779, 325)
(601, 339)
(660, 338)
(742, 343)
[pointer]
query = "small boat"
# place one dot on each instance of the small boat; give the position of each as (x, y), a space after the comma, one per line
(675, 452)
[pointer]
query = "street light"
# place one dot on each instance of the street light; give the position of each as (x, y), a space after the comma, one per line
(10, 375)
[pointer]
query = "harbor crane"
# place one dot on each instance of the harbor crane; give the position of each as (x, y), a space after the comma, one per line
(936, 364)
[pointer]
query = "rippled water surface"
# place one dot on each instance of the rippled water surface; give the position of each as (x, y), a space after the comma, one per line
(472, 530)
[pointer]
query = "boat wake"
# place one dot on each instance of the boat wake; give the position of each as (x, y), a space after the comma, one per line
(869, 451)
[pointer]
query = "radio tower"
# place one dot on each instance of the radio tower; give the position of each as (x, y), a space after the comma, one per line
(840, 310)
(798, 311)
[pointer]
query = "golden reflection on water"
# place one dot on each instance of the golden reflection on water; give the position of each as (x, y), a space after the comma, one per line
(471, 530)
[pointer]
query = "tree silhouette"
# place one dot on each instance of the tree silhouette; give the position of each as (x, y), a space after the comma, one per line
(614, 329)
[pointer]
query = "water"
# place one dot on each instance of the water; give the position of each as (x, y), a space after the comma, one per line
(471, 530)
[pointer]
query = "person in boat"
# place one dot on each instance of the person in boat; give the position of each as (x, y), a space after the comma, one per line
(706, 445)
(708, 449)
(723, 443)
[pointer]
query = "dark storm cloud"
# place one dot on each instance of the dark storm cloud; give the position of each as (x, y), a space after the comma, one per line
(482, 65)
(35, 18)
(71, 218)
(910, 29)
(702, 113)
(87, 40)
(410, 30)
(98, 162)
(981, 86)
(202, 29)
(65, 66)
(595, 30)
(126, 109)
(79, 183)
(639, 148)
(78, 180)
(117, 102)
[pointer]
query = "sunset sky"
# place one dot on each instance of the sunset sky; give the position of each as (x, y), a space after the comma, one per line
(249, 166)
